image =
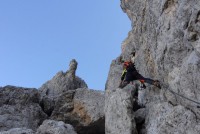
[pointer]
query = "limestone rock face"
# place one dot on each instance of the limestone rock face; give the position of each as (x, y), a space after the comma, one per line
(83, 108)
(119, 111)
(164, 118)
(165, 35)
(90, 103)
(166, 38)
(114, 75)
(19, 108)
(18, 131)
(55, 127)
(63, 104)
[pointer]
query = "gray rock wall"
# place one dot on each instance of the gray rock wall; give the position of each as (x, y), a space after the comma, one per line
(83, 108)
(19, 107)
(166, 38)
(18, 131)
(47, 127)
(23, 110)
(55, 127)
(164, 118)
(119, 113)
(165, 35)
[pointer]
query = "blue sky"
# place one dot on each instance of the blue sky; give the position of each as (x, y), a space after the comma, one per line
(38, 38)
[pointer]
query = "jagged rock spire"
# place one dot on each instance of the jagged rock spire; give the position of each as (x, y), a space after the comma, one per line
(62, 82)
(72, 69)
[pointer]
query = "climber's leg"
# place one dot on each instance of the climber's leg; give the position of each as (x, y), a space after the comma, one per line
(123, 84)
(148, 80)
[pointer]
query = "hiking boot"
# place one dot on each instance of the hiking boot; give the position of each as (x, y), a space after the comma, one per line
(157, 84)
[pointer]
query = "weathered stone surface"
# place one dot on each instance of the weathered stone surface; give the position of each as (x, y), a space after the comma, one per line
(19, 108)
(165, 35)
(140, 115)
(114, 75)
(12, 95)
(119, 115)
(163, 118)
(18, 131)
(83, 108)
(63, 81)
(92, 103)
(55, 127)
(89, 111)
(47, 103)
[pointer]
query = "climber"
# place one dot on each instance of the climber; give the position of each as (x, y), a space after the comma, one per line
(130, 74)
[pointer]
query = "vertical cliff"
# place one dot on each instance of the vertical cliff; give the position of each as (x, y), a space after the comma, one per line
(165, 34)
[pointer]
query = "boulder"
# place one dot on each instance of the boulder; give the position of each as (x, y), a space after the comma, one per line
(55, 127)
(91, 103)
(12, 95)
(19, 108)
(119, 115)
(18, 131)
(114, 75)
(84, 110)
